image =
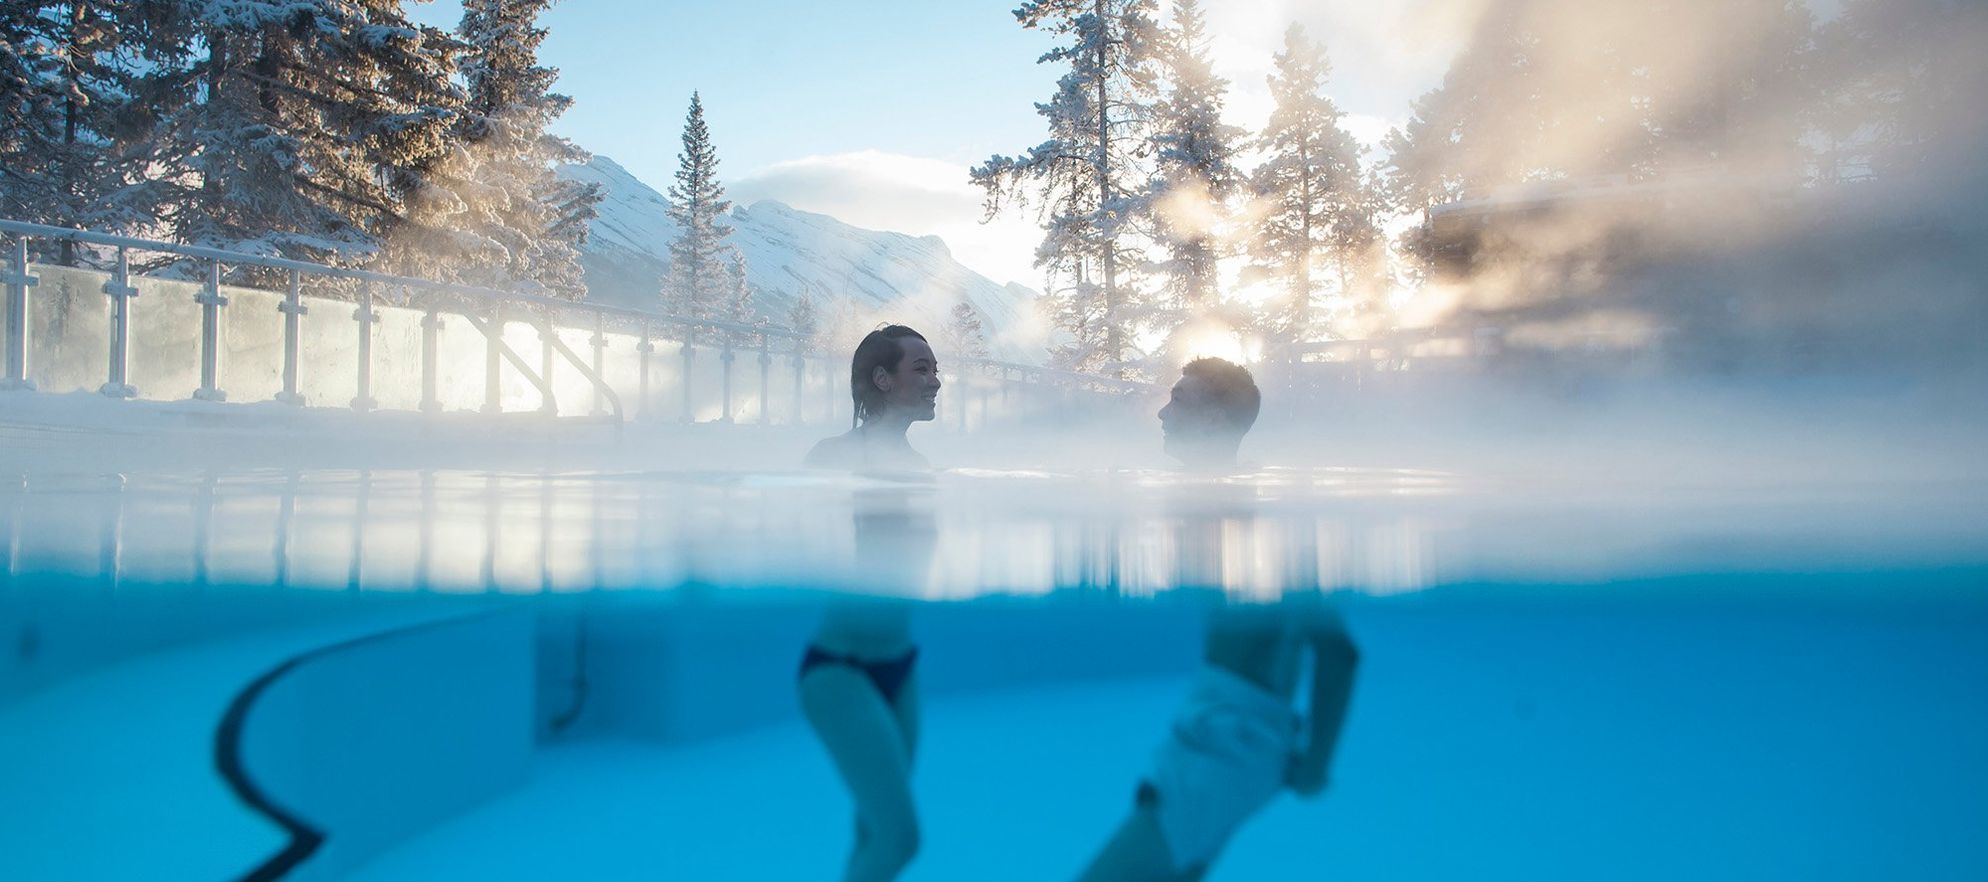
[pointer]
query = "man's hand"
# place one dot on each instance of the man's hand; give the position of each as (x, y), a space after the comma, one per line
(1305, 779)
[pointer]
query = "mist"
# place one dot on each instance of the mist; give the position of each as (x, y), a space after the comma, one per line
(1745, 190)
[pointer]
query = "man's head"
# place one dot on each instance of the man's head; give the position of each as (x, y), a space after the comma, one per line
(1212, 407)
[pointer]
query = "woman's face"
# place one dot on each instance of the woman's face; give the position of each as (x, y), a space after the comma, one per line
(913, 388)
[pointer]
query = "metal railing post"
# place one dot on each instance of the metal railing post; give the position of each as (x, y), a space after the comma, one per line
(493, 344)
(117, 382)
(600, 355)
(550, 405)
(725, 382)
(689, 356)
(837, 400)
(431, 329)
(366, 318)
(800, 380)
(210, 301)
(765, 389)
(293, 310)
(355, 567)
(642, 351)
(18, 282)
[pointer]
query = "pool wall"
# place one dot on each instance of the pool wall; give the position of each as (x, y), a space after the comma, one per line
(372, 741)
(668, 670)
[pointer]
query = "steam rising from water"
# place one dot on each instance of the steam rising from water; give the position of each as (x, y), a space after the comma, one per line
(1756, 187)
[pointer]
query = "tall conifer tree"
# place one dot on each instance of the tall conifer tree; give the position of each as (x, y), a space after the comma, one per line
(1087, 176)
(697, 285)
(805, 321)
(1314, 203)
(302, 126)
(1196, 173)
(495, 213)
(72, 115)
(965, 331)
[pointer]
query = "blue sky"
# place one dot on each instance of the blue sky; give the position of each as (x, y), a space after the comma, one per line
(872, 110)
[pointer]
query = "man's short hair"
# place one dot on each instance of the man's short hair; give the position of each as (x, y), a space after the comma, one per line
(1232, 389)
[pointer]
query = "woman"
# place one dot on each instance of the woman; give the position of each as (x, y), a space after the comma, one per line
(858, 685)
(894, 379)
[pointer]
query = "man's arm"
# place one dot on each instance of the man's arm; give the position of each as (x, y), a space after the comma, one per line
(1334, 659)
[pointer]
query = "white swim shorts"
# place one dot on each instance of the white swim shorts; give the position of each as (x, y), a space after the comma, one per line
(1225, 758)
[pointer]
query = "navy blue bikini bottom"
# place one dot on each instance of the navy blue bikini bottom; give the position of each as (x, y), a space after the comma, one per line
(888, 675)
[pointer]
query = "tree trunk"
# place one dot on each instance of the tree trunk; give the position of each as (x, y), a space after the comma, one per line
(1114, 333)
(1301, 287)
(79, 16)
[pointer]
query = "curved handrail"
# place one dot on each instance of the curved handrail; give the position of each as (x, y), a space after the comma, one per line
(305, 839)
(493, 332)
(600, 384)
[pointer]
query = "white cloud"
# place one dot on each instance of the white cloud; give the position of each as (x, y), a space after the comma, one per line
(915, 195)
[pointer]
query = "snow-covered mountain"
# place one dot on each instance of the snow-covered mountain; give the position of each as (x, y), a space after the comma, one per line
(866, 275)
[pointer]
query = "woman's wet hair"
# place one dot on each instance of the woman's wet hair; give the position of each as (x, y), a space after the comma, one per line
(881, 348)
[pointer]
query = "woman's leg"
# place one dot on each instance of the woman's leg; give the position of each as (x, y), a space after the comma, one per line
(866, 740)
(906, 709)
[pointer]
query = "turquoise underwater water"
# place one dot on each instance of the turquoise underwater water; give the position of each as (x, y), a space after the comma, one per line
(438, 675)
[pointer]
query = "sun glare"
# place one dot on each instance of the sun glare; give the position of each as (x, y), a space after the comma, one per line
(1209, 338)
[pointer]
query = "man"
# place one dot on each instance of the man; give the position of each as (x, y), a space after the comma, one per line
(1239, 739)
(1208, 413)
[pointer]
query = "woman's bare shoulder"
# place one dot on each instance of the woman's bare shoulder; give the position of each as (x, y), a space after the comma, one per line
(844, 451)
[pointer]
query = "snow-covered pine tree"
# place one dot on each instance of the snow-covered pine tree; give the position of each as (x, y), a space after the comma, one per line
(1903, 86)
(569, 205)
(1195, 170)
(301, 126)
(69, 76)
(805, 321)
(965, 331)
(696, 286)
(1087, 175)
(1313, 201)
(737, 306)
(494, 213)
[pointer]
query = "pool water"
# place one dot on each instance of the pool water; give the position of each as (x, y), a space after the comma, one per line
(529, 674)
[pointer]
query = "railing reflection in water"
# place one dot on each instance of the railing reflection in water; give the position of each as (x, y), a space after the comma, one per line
(468, 532)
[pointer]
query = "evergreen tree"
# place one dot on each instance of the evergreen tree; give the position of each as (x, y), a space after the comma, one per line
(1741, 115)
(71, 79)
(805, 321)
(965, 331)
(697, 286)
(738, 289)
(1087, 174)
(1471, 132)
(1546, 91)
(1313, 201)
(1901, 78)
(1195, 159)
(495, 214)
(300, 128)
